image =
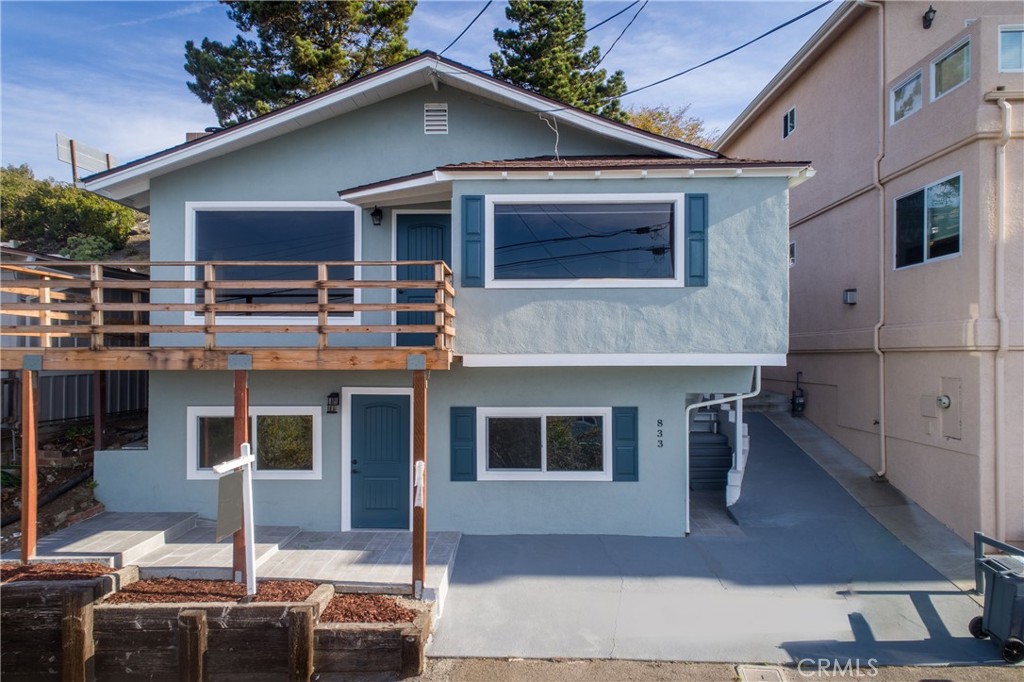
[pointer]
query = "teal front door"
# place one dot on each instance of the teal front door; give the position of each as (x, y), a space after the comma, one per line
(380, 461)
(420, 237)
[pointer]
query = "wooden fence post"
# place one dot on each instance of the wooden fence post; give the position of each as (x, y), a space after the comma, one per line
(192, 635)
(77, 645)
(300, 643)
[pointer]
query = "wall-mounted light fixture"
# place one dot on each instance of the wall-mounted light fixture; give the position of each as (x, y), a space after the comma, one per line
(333, 400)
(377, 216)
(850, 296)
(928, 17)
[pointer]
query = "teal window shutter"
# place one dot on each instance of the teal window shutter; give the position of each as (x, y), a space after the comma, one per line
(625, 458)
(473, 241)
(463, 443)
(696, 240)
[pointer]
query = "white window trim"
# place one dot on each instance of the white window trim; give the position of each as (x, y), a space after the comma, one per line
(485, 474)
(1007, 28)
(892, 97)
(311, 320)
(194, 473)
(678, 241)
(934, 62)
(787, 131)
(895, 225)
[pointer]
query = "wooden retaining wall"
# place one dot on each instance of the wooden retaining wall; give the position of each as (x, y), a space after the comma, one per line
(46, 626)
(55, 631)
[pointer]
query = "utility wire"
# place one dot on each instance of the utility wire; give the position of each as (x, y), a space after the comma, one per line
(621, 11)
(621, 33)
(467, 28)
(726, 54)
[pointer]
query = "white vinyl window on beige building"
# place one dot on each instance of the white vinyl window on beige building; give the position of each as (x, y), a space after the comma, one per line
(951, 70)
(1011, 49)
(928, 223)
(906, 98)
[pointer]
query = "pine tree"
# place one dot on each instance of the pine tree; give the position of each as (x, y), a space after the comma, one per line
(546, 52)
(300, 49)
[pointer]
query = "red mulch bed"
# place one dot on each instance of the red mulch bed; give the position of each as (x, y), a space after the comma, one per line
(366, 608)
(65, 570)
(175, 590)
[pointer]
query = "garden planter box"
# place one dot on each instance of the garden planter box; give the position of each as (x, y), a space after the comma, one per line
(46, 625)
(214, 641)
(374, 647)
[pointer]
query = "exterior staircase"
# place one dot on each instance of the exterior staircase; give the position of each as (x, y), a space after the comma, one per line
(710, 453)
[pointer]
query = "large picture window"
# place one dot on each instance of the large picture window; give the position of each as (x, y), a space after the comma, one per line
(285, 440)
(928, 223)
(583, 240)
(544, 443)
(951, 69)
(313, 232)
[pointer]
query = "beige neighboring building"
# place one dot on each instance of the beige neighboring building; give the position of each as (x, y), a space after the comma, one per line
(907, 247)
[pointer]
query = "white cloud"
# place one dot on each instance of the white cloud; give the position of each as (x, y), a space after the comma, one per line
(192, 8)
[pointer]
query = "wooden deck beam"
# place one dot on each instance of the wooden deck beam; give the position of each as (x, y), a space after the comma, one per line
(170, 358)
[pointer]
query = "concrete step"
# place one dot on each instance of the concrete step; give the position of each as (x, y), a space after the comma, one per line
(196, 555)
(707, 437)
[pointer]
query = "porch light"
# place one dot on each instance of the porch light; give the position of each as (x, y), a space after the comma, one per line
(333, 400)
(850, 296)
(377, 216)
(928, 17)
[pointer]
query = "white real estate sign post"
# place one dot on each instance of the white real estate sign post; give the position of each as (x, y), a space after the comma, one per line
(245, 462)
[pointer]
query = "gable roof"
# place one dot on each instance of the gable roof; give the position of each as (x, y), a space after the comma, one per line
(842, 19)
(130, 182)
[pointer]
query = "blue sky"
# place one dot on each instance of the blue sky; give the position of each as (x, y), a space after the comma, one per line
(110, 74)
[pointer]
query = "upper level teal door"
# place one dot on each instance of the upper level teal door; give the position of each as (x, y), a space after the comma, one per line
(425, 236)
(380, 461)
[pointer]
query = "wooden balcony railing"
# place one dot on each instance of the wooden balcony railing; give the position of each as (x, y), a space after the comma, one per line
(321, 301)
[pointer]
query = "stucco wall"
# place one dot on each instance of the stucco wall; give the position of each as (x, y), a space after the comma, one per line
(156, 479)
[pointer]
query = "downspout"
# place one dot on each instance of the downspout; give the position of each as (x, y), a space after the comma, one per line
(1004, 327)
(754, 390)
(880, 474)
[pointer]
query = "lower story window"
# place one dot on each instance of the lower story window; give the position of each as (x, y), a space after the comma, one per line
(285, 440)
(928, 223)
(544, 443)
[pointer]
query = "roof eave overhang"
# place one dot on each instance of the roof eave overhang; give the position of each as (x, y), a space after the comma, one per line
(805, 57)
(438, 185)
(132, 181)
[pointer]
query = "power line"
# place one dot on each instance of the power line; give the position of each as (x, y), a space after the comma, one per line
(621, 33)
(726, 54)
(467, 28)
(621, 11)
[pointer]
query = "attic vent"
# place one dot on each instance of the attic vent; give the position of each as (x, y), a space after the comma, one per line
(435, 119)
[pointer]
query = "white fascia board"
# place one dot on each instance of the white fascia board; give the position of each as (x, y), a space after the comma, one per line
(624, 360)
(824, 37)
(413, 187)
(623, 173)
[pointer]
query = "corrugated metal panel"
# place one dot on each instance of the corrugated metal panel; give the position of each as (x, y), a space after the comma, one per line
(66, 396)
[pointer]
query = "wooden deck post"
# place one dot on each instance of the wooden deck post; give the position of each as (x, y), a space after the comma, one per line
(419, 454)
(99, 408)
(241, 436)
(29, 501)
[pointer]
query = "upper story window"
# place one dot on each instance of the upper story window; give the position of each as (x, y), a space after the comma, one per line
(567, 444)
(1011, 48)
(583, 241)
(906, 98)
(285, 440)
(792, 254)
(788, 122)
(266, 231)
(951, 69)
(928, 223)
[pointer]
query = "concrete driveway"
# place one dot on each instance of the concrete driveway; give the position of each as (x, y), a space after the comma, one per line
(807, 573)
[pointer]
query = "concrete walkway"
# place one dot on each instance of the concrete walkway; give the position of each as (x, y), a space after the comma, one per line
(809, 574)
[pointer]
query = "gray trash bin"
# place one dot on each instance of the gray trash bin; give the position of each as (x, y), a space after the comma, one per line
(1003, 616)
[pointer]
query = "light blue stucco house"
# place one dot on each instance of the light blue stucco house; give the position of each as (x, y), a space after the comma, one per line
(601, 280)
